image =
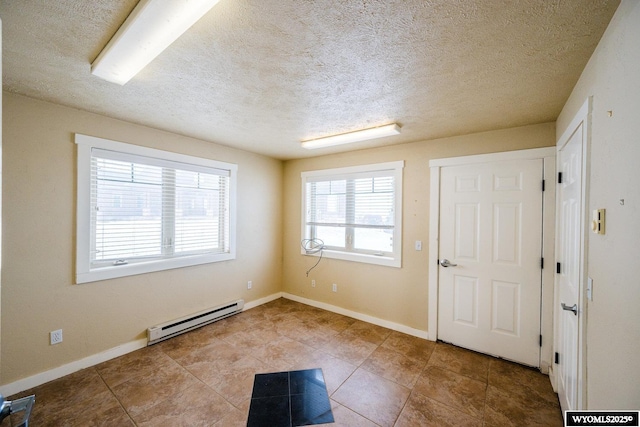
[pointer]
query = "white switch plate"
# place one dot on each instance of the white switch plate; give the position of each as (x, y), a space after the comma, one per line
(418, 245)
(335, 288)
(590, 289)
(249, 284)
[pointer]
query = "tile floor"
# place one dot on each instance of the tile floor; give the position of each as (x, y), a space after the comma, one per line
(374, 377)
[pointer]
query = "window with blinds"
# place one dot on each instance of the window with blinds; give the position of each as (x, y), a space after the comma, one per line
(355, 212)
(149, 210)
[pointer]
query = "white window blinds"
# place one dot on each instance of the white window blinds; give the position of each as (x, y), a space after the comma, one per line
(144, 207)
(142, 210)
(355, 210)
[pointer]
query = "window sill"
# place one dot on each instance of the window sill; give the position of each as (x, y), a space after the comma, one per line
(115, 271)
(356, 257)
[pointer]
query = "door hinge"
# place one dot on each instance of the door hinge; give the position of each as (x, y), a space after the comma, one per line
(543, 185)
(559, 177)
(540, 340)
(558, 267)
(556, 359)
(541, 263)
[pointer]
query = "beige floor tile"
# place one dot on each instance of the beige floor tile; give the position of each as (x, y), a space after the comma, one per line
(235, 381)
(345, 417)
(367, 332)
(195, 406)
(217, 354)
(235, 418)
(373, 397)
(350, 349)
(138, 364)
(71, 390)
(412, 347)
(455, 390)
(394, 366)
(336, 322)
(282, 353)
(519, 407)
(422, 411)
(101, 409)
(461, 361)
(510, 376)
(140, 394)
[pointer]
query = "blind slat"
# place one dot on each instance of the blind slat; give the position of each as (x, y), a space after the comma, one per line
(144, 207)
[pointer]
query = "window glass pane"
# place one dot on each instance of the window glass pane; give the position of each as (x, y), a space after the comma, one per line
(325, 208)
(374, 201)
(331, 236)
(128, 220)
(339, 187)
(373, 239)
(197, 213)
(323, 187)
(353, 210)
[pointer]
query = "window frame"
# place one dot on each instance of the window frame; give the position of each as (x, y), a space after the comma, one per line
(393, 258)
(86, 271)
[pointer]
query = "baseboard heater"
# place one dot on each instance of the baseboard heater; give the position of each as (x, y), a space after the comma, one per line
(179, 326)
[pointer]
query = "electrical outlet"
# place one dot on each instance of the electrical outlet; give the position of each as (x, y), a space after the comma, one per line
(249, 284)
(335, 287)
(55, 336)
(313, 283)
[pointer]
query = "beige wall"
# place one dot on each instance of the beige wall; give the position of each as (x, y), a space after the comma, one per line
(612, 77)
(38, 294)
(392, 294)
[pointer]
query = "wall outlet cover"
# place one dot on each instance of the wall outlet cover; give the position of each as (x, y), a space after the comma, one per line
(55, 336)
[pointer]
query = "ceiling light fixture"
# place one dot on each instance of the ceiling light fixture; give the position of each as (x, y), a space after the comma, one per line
(150, 28)
(359, 135)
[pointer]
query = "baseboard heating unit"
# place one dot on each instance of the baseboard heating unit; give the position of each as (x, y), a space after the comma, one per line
(179, 326)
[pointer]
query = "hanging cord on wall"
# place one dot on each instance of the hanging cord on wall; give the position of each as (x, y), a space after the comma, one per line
(311, 247)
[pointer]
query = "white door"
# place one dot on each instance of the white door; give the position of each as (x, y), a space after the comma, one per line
(491, 235)
(568, 279)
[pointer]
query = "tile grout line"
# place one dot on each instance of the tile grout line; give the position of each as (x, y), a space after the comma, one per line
(114, 396)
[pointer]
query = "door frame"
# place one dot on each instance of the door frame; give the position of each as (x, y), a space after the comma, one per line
(583, 115)
(548, 156)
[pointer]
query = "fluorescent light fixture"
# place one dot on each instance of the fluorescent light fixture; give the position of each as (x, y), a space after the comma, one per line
(150, 28)
(359, 135)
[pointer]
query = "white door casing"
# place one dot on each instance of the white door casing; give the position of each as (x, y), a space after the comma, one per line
(497, 300)
(570, 257)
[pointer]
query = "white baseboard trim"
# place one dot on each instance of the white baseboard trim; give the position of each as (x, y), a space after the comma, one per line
(255, 303)
(75, 366)
(70, 368)
(364, 317)
(553, 379)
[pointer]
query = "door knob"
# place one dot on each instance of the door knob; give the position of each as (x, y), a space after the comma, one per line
(573, 308)
(447, 263)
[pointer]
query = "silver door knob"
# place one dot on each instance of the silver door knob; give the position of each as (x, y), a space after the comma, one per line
(447, 263)
(573, 308)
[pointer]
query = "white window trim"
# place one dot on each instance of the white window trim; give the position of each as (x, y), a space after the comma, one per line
(84, 271)
(391, 261)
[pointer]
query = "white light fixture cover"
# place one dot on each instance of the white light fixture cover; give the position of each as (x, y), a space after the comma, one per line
(150, 28)
(359, 135)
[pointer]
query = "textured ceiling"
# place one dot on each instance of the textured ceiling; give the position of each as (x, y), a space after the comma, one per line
(261, 75)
